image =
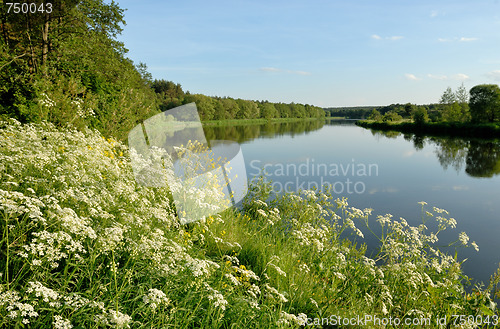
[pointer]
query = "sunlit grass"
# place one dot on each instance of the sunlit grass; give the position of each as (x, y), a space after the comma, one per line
(84, 246)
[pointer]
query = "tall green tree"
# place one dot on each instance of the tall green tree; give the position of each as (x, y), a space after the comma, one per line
(67, 67)
(485, 103)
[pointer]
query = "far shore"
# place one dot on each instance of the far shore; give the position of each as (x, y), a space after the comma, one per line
(452, 129)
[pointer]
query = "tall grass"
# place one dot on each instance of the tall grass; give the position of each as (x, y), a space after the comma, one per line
(84, 246)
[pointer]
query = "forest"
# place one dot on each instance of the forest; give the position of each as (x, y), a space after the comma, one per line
(69, 68)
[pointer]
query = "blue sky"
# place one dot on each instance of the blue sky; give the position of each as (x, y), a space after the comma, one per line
(325, 53)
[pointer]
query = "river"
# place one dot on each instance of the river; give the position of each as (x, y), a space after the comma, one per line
(388, 172)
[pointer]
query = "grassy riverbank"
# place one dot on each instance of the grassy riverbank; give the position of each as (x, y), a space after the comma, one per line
(84, 246)
(482, 130)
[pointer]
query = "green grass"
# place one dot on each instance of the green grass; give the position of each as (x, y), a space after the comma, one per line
(84, 246)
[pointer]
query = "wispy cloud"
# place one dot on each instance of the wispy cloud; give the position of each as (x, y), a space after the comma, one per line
(495, 75)
(457, 39)
(458, 76)
(411, 77)
(392, 38)
(270, 69)
(434, 13)
(464, 39)
(277, 70)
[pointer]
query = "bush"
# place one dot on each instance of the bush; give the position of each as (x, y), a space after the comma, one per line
(391, 117)
(420, 116)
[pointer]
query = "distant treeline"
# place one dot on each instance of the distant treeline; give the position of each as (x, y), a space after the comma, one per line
(364, 112)
(171, 95)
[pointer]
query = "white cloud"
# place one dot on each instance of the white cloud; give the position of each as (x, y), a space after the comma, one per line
(270, 69)
(437, 77)
(392, 38)
(461, 39)
(495, 75)
(464, 39)
(460, 77)
(300, 72)
(411, 77)
(434, 13)
(277, 70)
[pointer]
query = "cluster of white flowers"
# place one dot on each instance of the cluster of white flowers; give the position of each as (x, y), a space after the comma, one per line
(216, 297)
(464, 238)
(154, 298)
(61, 323)
(292, 319)
(15, 308)
(111, 238)
(80, 110)
(115, 319)
(273, 293)
(308, 235)
(52, 247)
(48, 295)
(201, 267)
(46, 101)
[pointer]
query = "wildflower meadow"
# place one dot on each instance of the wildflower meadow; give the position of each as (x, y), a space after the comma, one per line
(84, 246)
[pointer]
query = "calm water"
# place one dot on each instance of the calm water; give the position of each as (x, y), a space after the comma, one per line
(392, 172)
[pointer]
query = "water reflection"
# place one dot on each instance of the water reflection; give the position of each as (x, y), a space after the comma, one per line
(246, 133)
(480, 158)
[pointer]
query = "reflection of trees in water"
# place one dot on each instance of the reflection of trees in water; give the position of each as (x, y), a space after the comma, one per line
(246, 133)
(483, 159)
(480, 157)
(451, 152)
(385, 133)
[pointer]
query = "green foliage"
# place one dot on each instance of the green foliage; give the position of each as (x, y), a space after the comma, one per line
(268, 111)
(391, 116)
(420, 116)
(68, 68)
(375, 115)
(448, 97)
(454, 106)
(485, 103)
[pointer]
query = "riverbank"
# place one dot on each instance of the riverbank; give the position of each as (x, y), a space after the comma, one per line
(483, 130)
(277, 262)
(253, 121)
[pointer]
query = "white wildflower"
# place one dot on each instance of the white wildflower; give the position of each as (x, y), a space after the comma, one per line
(60, 323)
(154, 298)
(261, 212)
(464, 239)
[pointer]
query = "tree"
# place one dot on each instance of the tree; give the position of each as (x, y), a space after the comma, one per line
(71, 56)
(268, 111)
(485, 103)
(454, 106)
(391, 116)
(420, 115)
(461, 95)
(375, 115)
(409, 109)
(448, 97)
